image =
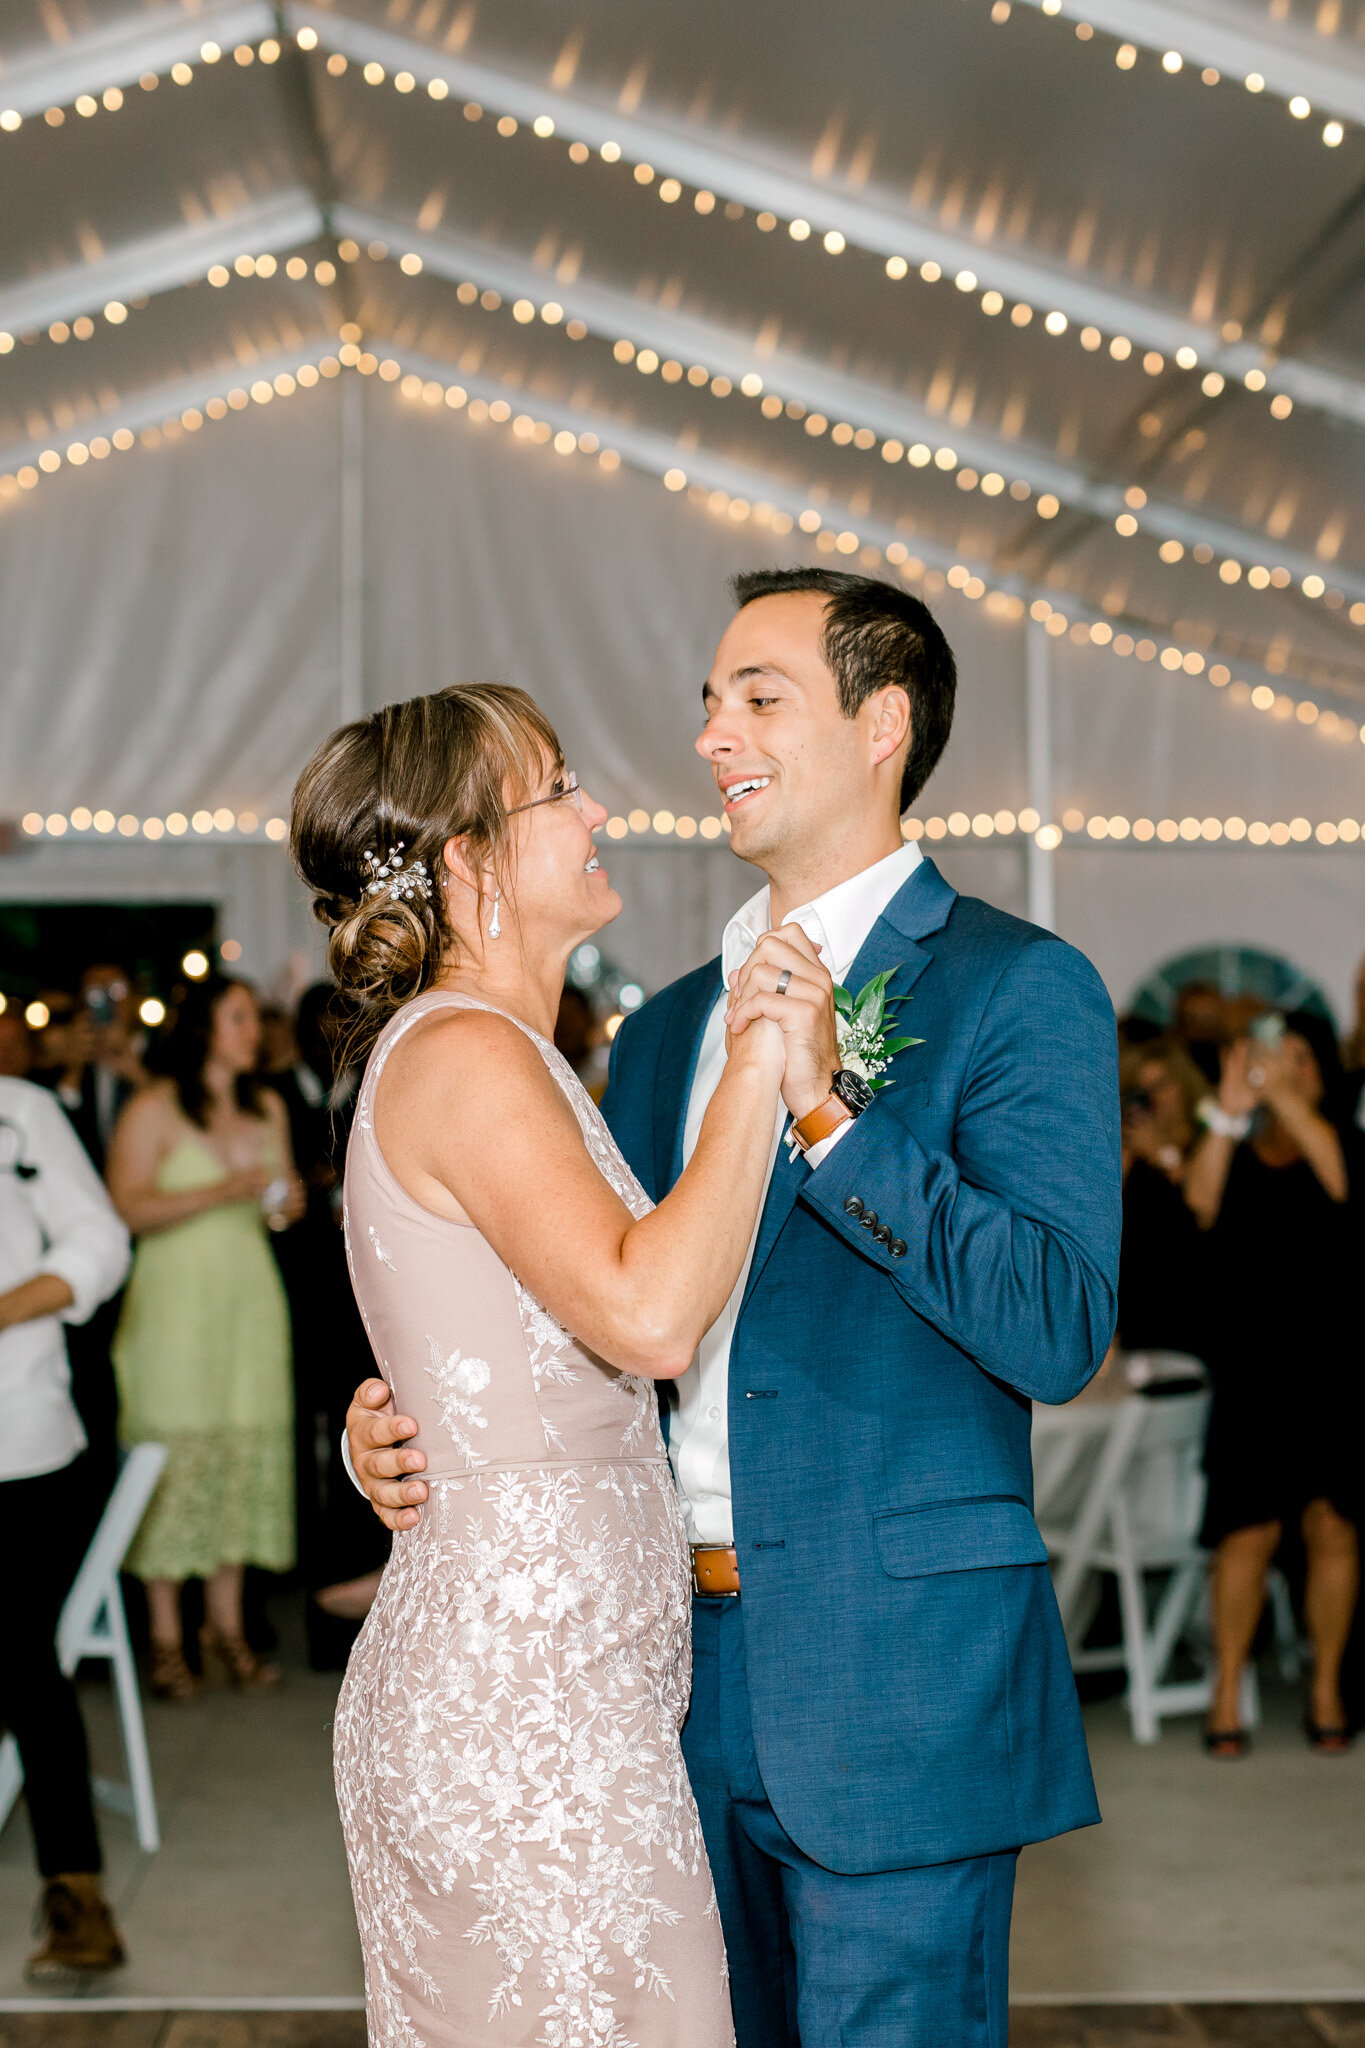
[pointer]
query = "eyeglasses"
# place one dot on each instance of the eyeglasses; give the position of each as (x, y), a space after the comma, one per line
(571, 793)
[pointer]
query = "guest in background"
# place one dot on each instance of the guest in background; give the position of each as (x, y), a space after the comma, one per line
(1161, 1290)
(16, 1052)
(1353, 1045)
(200, 1162)
(1270, 1182)
(342, 1546)
(100, 1071)
(62, 1250)
(1197, 1022)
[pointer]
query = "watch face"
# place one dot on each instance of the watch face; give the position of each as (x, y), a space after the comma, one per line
(852, 1090)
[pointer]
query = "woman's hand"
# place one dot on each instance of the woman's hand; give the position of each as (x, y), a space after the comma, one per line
(762, 1047)
(803, 1011)
(1238, 1093)
(248, 1184)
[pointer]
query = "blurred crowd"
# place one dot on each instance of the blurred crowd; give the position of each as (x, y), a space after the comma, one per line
(174, 1183)
(1243, 1204)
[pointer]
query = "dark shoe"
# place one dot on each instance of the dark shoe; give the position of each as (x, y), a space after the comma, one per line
(82, 1940)
(170, 1677)
(1327, 1740)
(1226, 1742)
(235, 1661)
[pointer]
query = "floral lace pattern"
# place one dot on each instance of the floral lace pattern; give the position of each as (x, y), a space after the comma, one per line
(508, 1760)
(525, 1853)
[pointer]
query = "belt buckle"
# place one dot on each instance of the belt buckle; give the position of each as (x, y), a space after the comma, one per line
(718, 1577)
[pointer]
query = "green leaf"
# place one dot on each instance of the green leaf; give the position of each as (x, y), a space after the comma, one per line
(894, 1045)
(843, 1001)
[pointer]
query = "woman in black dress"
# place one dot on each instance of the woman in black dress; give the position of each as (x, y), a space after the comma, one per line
(1161, 1277)
(1270, 1182)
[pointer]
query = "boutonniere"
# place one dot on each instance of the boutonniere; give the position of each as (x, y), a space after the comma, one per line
(862, 1024)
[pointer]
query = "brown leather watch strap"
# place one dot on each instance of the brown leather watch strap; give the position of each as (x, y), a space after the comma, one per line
(821, 1122)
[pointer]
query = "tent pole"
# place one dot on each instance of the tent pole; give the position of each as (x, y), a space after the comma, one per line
(1042, 881)
(351, 666)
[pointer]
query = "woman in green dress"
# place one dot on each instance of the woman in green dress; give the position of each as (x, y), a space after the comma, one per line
(199, 1165)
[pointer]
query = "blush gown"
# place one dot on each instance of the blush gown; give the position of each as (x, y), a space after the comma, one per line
(525, 1854)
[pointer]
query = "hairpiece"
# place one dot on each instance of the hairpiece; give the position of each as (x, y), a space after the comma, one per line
(391, 878)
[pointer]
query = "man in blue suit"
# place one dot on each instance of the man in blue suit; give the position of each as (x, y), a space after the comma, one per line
(882, 1706)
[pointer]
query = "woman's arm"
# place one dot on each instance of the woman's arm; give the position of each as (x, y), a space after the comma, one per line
(467, 1110)
(46, 1294)
(143, 1135)
(295, 1203)
(1312, 1133)
(1206, 1177)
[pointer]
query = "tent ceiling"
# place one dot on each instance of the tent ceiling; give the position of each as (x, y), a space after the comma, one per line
(1166, 211)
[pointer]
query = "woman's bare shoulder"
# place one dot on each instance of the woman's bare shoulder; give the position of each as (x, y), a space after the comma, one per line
(458, 1052)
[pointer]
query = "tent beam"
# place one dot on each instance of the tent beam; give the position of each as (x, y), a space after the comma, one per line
(764, 180)
(131, 45)
(1327, 71)
(644, 449)
(611, 313)
(160, 262)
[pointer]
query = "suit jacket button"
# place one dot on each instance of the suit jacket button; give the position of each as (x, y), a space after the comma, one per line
(897, 1247)
(853, 1207)
(882, 1233)
(868, 1219)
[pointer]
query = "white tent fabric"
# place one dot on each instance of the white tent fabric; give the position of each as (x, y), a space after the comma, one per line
(183, 621)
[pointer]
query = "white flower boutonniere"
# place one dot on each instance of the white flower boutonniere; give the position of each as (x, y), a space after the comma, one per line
(862, 1023)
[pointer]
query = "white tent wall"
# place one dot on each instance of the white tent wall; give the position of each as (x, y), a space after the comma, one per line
(173, 637)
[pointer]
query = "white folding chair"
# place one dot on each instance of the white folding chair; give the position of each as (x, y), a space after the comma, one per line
(93, 1624)
(1120, 1489)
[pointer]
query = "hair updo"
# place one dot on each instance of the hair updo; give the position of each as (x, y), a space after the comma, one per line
(419, 773)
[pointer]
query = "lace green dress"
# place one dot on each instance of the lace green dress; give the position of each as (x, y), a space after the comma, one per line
(202, 1356)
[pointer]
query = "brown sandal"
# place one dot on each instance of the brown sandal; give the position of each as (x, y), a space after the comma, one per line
(236, 1661)
(170, 1677)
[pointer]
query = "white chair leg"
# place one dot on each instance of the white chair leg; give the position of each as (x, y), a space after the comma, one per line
(134, 1732)
(11, 1777)
(1249, 1698)
(1136, 1646)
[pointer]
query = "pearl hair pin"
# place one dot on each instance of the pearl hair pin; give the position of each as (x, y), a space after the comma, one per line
(391, 878)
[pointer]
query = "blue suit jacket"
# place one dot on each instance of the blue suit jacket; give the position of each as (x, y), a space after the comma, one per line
(912, 1695)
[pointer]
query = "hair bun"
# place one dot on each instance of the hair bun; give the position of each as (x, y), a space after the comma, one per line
(381, 953)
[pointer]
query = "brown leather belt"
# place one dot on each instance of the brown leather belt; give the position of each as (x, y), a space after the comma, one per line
(715, 1573)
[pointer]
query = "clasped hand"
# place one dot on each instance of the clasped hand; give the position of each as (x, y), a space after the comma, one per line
(804, 1012)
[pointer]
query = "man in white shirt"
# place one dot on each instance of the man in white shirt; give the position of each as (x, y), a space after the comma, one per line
(63, 1251)
(882, 1703)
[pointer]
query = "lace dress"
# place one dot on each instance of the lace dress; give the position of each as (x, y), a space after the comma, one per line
(524, 1849)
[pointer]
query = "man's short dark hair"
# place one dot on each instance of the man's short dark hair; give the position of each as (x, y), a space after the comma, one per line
(875, 635)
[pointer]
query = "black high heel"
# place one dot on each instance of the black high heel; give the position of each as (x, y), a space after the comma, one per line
(1225, 1743)
(1325, 1739)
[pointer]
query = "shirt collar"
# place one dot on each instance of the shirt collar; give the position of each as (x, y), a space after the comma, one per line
(839, 921)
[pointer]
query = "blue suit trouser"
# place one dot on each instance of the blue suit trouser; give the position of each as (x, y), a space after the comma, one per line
(894, 1959)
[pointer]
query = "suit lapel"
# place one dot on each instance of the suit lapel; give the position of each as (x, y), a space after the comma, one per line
(919, 908)
(677, 1071)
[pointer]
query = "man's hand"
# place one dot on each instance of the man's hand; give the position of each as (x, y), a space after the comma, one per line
(804, 1012)
(376, 1437)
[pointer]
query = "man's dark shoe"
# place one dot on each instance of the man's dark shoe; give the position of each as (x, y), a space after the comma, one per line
(81, 1938)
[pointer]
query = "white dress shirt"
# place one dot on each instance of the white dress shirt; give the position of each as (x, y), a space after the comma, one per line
(699, 1430)
(55, 1217)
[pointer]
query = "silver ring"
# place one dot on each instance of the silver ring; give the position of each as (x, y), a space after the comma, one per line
(783, 978)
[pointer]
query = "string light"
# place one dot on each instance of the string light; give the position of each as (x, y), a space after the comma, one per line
(1000, 601)
(1172, 63)
(773, 409)
(222, 823)
(991, 301)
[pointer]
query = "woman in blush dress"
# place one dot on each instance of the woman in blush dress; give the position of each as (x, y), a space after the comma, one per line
(524, 1849)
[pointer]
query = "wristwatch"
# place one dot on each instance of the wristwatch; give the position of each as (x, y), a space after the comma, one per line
(849, 1095)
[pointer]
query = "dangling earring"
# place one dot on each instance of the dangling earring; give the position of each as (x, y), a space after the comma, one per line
(495, 925)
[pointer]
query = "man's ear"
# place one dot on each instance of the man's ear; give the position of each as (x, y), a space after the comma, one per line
(890, 726)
